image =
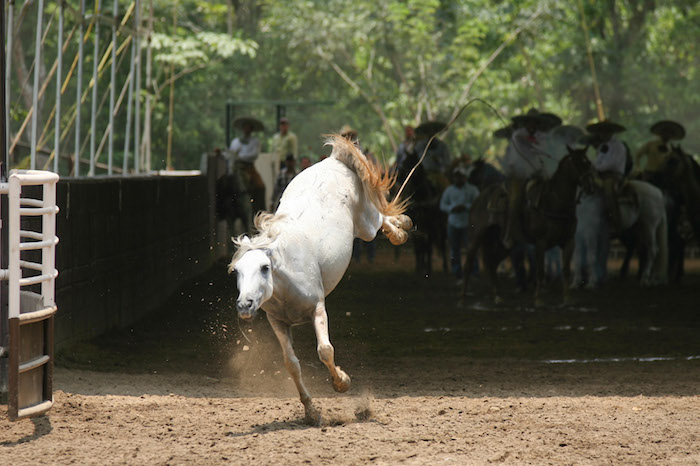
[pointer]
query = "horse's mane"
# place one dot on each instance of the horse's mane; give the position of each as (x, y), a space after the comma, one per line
(376, 181)
(267, 225)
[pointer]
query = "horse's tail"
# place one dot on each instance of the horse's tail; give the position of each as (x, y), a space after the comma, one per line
(376, 180)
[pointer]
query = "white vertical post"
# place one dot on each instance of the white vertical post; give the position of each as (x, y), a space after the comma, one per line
(93, 111)
(48, 253)
(79, 79)
(113, 82)
(59, 66)
(15, 190)
(35, 87)
(8, 74)
(137, 97)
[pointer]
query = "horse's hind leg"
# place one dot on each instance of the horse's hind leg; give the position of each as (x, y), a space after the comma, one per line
(284, 335)
(326, 353)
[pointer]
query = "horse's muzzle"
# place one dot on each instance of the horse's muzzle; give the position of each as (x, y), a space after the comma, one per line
(246, 309)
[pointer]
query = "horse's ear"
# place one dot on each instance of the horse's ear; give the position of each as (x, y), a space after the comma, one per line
(245, 240)
(268, 252)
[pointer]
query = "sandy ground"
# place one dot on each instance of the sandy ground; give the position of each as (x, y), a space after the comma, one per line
(430, 397)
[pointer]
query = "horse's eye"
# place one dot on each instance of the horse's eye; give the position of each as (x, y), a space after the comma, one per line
(265, 268)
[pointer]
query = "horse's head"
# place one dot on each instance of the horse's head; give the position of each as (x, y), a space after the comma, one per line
(254, 280)
(581, 167)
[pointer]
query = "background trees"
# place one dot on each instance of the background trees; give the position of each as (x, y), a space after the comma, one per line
(381, 65)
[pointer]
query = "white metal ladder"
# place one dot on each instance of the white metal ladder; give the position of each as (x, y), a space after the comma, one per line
(31, 314)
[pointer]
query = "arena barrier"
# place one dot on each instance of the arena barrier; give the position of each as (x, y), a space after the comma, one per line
(31, 275)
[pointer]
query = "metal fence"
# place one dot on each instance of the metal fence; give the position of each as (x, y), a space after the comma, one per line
(74, 94)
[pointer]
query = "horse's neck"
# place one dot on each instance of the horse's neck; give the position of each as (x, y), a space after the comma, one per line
(692, 184)
(560, 189)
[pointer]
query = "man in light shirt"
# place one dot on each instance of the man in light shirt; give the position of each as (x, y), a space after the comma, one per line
(456, 201)
(244, 151)
(284, 142)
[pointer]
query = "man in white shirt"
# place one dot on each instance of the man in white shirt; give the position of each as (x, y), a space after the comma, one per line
(610, 163)
(244, 151)
(456, 201)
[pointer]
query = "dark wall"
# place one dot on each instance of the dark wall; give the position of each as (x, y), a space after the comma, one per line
(125, 245)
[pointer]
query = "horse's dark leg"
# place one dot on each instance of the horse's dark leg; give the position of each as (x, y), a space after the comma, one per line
(567, 252)
(284, 336)
(491, 260)
(540, 248)
(473, 242)
(629, 252)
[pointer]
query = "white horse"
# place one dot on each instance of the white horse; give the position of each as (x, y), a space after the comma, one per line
(302, 251)
(591, 242)
(645, 218)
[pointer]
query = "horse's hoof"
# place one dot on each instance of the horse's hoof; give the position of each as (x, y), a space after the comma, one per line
(342, 384)
(404, 222)
(312, 416)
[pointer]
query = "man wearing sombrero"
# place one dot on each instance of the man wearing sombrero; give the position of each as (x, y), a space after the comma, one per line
(611, 163)
(523, 160)
(245, 151)
(651, 156)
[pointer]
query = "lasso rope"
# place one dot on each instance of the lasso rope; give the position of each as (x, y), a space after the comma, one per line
(447, 126)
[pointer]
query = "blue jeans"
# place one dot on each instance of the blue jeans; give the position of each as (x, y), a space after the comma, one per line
(457, 238)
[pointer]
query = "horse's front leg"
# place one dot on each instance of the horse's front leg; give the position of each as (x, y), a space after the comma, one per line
(284, 335)
(567, 253)
(326, 353)
(540, 249)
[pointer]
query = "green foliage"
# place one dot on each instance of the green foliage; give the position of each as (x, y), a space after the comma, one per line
(386, 64)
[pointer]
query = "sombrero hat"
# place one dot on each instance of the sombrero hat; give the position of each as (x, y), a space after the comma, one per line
(429, 128)
(549, 121)
(668, 129)
(348, 130)
(504, 133)
(527, 119)
(254, 123)
(605, 127)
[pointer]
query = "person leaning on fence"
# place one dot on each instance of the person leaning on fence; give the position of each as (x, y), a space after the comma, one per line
(285, 176)
(456, 201)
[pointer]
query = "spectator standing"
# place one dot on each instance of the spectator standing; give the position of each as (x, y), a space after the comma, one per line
(284, 142)
(456, 201)
(406, 146)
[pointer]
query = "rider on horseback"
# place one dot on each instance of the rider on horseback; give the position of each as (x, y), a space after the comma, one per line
(610, 162)
(652, 155)
(437, 158)
(523, 160)
(245, 151)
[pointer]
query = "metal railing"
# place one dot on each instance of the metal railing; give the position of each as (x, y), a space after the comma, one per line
(30, 393)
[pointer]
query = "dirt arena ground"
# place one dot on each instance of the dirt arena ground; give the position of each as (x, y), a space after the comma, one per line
(612, 379)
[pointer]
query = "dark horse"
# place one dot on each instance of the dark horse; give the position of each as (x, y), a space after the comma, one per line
(424, 209)
(233, 202)
(548, 220)
(679, 179)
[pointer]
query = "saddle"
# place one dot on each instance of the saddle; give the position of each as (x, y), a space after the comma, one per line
(498, 203)
(626, 195)
(534, 188)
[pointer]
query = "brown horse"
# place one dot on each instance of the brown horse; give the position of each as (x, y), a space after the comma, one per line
(548, 220)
